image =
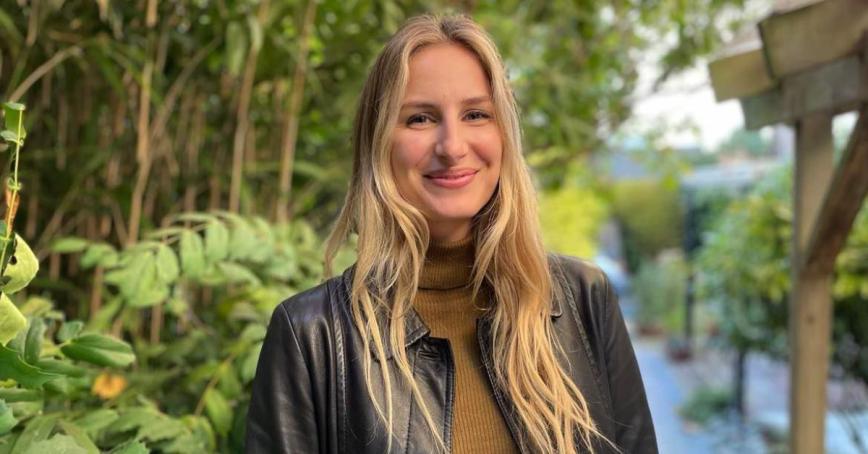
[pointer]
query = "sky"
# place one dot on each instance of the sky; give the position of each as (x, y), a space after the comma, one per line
(685, 103)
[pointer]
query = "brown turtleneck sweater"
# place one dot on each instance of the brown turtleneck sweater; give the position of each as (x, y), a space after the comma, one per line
(445, 305)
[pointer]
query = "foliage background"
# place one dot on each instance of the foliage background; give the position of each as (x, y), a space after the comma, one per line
(185, 158)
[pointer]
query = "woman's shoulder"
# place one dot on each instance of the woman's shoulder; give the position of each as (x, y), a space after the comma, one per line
(586, 288)
(313, 306)
(578, 271)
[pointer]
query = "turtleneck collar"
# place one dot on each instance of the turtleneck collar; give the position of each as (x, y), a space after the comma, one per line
(448, 265)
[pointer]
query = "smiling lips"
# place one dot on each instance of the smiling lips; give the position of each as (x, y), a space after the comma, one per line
(451, 179)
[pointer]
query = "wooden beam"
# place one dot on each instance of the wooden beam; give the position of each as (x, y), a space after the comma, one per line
(842, 202)
(812, 35)
(811, 296)
(838, 87)
(739, 75)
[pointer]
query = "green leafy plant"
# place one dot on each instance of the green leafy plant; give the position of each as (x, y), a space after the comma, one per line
(660, 289)
(744, 276)
(704, 404)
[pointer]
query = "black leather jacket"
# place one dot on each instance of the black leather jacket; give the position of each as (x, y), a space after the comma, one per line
(309, 394)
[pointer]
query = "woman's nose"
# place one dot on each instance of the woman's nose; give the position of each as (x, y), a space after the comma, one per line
(450, 144)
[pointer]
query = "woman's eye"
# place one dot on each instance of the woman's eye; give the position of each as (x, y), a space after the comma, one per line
(418, 119)
(477, 115)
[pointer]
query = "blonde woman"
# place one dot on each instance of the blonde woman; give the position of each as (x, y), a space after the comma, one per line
(454, 331)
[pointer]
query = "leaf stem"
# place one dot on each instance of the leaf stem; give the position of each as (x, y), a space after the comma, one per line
(12, 201)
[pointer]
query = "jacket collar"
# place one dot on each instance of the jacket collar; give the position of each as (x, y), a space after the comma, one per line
(414, 326)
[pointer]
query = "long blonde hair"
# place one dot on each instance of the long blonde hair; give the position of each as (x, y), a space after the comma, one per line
(510, 261)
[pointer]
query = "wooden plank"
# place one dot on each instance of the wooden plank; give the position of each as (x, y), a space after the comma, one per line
(842, 202)
(812, 35)
(739, 75)
(811, 296)
(782, 6)
(838, 87)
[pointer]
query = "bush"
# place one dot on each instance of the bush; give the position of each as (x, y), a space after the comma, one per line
(744, 274)
(705, 404)
(660, 289)
(650, 214)
(571, 218)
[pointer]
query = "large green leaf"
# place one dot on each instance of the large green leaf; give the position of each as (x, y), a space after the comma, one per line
(218, 411)
(79, 435)
(192, 254)
(58, 444)
(33, 343)
(100, 350)
(95, 421)
(69, 244)
(216, 241)
(12, 366)
(11, 395)
(11, 320)
(36, 430)
(63, 367)
(167, 264)
(21, 269)
(102, 254)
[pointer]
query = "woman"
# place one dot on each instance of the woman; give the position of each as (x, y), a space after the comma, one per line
(454, 331)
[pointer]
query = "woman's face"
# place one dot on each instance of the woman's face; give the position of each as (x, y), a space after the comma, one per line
(446, 147)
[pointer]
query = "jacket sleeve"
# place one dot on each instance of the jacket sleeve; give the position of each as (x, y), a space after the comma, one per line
(281, 418)
(634, 428)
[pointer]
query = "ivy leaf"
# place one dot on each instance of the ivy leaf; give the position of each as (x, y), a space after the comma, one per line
(100, 350)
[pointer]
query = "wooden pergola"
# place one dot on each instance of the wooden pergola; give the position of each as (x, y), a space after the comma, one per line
(802, 65)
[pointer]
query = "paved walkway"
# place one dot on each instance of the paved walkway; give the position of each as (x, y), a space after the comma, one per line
(664, 398)
(668, 386)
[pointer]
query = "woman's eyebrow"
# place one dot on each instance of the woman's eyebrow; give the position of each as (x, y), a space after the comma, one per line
(474, 100)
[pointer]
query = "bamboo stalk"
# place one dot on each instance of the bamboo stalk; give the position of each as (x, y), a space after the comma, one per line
(290, 128)
(242, 117)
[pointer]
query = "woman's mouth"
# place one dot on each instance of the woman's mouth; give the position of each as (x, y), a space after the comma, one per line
(452, 179)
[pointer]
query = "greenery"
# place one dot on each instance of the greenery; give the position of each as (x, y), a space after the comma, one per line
(190, 153)
(744, 273)
(650, 214)
(571, 218)
(704, 404)
(660, 288)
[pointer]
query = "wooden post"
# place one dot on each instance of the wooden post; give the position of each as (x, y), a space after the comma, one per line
(811, 298)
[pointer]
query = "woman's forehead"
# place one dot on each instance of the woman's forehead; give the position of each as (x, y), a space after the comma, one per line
(446, 70)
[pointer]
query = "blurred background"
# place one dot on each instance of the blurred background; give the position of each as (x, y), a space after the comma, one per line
(184, 161)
